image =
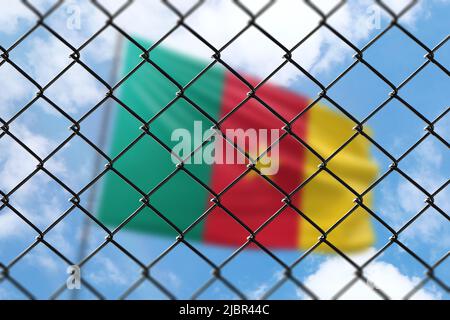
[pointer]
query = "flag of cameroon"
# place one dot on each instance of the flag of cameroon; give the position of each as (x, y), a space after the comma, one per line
(225, 202)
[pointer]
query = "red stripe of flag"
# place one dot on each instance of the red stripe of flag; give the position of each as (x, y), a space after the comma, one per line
(253, 200)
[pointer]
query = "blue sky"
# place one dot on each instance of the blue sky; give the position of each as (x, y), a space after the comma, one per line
(396, 128)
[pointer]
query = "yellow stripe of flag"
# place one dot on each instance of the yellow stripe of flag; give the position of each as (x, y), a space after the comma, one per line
(325, 200)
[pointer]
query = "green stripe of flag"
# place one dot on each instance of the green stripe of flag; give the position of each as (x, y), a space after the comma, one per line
(147, 163)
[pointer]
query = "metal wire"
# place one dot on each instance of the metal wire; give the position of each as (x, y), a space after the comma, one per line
(217, 275)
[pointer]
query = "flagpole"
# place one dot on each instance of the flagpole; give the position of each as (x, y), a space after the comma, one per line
(102, 141)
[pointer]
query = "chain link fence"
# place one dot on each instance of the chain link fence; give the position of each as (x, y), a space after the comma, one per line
(80, 202)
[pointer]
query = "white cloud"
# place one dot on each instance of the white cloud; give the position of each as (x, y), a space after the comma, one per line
(15, 88)
(253, 52)
(77, 89)
(332, 275)
(258, 292)
(225, 17)
(10, 227)
(109, 272)
(216, 21)
(287, 21)
(44, 260)
(403, 200)
(15, 162)
(13, 15)
(15, 165)
(170, 278)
